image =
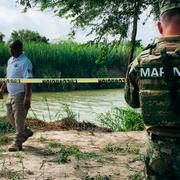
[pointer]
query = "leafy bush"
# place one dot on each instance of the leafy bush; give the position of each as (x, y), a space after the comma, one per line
(122, 119)
(5, 126)
(4, 139)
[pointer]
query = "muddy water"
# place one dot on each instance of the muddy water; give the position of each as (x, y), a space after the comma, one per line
(86, 104)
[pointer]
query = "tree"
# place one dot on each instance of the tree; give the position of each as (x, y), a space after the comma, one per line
(104, 17)
(27, 35)
(1, 37)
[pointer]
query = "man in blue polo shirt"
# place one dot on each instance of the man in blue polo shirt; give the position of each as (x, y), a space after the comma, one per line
(19, 98)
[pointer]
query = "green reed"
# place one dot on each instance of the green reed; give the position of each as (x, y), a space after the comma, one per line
(122, 119)
(71, 60)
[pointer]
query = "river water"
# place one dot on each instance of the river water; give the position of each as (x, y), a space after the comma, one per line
(86, 104)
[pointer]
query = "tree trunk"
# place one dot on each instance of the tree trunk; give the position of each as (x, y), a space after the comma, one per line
(134, 32)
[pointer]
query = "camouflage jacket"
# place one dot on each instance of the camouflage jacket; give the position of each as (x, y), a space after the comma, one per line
(133, 85)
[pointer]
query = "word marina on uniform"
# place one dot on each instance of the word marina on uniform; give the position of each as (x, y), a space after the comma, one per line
(150, 72)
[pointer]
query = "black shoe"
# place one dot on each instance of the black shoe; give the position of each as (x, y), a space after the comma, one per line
(15, 147)
(28, 134)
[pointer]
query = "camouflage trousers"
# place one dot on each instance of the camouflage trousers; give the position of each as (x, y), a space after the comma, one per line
(16, 114)
(162, 159)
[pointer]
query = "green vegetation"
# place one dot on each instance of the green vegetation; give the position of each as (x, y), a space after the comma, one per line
(5, 126)
(1, 37)
(27, 35)
(98, 177)
(42, 139)
(102, 18)
(4, 139)
(136, 176)
(63, 153)
(63, 111)
(10, 174)
(122, 119)
(71, 60)
(139, 157)
(118, 149)
(118, 119)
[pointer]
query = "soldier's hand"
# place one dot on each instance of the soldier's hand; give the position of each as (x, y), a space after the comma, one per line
(27, 103)
(1, 93)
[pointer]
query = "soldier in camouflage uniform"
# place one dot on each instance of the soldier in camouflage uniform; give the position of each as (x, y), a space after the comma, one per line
(153, 83)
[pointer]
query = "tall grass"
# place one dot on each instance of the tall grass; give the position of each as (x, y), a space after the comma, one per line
(5, 126)
(71, 60)
(4, 55)
(122, 119)
(118, 119)
(64, 112)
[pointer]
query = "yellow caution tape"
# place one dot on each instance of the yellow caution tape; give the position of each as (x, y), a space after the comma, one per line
(63, 80)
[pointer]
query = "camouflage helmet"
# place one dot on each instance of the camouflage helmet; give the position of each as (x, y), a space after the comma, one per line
(166, 5)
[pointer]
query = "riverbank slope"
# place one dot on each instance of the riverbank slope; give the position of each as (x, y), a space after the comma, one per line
(76, 155)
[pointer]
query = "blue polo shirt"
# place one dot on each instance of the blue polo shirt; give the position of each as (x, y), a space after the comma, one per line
(20, 67)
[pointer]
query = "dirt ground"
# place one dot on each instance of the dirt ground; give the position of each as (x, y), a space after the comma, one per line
(104, 156)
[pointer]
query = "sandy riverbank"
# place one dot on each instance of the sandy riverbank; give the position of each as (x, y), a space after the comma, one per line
(87, 155)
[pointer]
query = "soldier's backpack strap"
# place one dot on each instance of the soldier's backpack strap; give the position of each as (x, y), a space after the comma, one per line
(171, 79)
(150, 47)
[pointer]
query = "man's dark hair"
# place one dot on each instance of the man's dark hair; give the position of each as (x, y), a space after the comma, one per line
(17, 44)
(168, 15)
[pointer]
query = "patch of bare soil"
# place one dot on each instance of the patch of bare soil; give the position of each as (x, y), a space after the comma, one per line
(76, 155)
(65, 124)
